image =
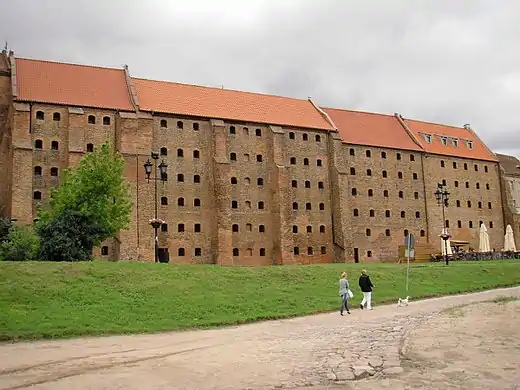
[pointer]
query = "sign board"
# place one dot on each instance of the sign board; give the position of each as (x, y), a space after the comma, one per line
(409, 241)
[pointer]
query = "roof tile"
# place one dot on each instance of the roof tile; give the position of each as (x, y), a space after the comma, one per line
(69, 84)
(364, 128)
(184, 99)
(479, 151)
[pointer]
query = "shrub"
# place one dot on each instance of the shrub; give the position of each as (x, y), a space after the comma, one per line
(22, 244)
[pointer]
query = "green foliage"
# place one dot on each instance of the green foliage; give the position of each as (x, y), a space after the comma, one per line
(5, 226)
(70, 236)
(95, 197)
(22, 244)
(53, 300)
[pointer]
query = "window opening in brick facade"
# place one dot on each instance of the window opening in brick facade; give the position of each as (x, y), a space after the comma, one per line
(354, 191)
(180, 153)
(296, 250)
(416, 195)
(37, 195)
(262, 251)
(383, 155)
(180, 125)
(369, 172)
(406, 232)
(318, 138)
(196, 202)
(260, 182)
(459, 224)
(323, 250)
(454, 165)
(38, 144)
(309, 251)
(368, 232)
(164, 123)
(55, 145)
(447, 223)
(293, 160)
(369, 253)
(90, 148)
(309, 229)
(295, 206)
(245, 131)
(305, 137)
(37, 171)
(399, 175)
(415, 176)
(181, 252)
(385, 193)
(164, 200)
(322, 206)
(403, 214)
(234, 228)
(368, 153)
(195, 126)
(486, 168)
(180, 227)
(387, 232)
(398, 156)
(164, 151)
(423, 233)
(236, 252)
(40, 115)
(233, 156)
(164, 227)
(261, 205)
(470, 224)
(412, 157)
(196, 154)
(291, 135)
(294, 183)
(261, 228)
(417, 214)
(467, 184)
(490, 224)
(307, 184)
(258, 132)
(401, 194)
(465, 166)
(356, 212)
(232, 130)
(54, 171)
(322, 228)
(249, 227)
(319, 163)
(475, 167)
(352, 152)
(196, 178)
(106, 120)
(469, 203)
(295, 229)
(385, 174)
(306, 161)
(104, 251)
(180, 177)
(477, 186)
(442, 164)
(489, 205)
(372, 213)
(387, 214)
(458, 203)
(479, 205)
(352, 171)
(234, 204)
(370, 192)
(320, 185)
(56, 117)
(308, 206)
(180, 202)
(91, 120)
(198, 252)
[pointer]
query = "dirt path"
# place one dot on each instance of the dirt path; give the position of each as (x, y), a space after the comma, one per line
(473, 346)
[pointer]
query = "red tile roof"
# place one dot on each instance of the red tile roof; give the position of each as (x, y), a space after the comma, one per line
(68, 84)
(364, 128)
(479, 151)
(183, 99)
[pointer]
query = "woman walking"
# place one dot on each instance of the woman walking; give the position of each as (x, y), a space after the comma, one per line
(366, 288)
(344, 293)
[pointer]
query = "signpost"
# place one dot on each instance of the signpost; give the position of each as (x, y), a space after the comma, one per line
(409, 241)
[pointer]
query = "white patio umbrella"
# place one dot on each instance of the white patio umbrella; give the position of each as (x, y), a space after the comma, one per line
(445, 248)
(509, 240)
(483, 244)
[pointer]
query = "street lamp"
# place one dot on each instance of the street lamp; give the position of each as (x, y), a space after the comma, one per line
(148, 168)
(442, 196)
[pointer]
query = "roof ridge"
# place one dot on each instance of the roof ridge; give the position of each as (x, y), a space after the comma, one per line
(70, 64)
(434, 123)
(222, 89)
(357, 111)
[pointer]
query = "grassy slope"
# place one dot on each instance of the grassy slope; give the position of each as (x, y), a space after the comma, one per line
(70, 299)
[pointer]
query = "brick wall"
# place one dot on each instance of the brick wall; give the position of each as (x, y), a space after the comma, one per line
(475, 196)
(6, 151)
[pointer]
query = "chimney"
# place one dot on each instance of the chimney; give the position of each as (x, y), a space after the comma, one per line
(467, 126)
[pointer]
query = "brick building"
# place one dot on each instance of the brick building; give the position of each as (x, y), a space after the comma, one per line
(252, 179)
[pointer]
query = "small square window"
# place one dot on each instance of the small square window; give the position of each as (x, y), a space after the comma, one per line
(195, 126)
(198, 252)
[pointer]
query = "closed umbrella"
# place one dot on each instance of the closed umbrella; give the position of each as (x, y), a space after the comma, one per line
(445, 248)
(509, 240)
(483, 244)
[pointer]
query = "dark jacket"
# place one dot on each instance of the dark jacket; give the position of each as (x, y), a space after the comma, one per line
(365, 283)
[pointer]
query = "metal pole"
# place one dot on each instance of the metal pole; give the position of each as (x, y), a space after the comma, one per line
(407, 262)
(156, 240)
(445, 231)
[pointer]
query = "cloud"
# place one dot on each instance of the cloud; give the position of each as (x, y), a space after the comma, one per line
(433, 60)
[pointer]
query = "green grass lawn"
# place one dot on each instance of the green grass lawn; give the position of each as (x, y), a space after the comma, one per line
(55, 300)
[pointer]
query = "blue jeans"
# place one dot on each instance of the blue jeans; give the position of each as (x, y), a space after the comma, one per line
(344, 302)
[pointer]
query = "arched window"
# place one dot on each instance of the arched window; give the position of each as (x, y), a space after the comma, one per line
(233, 156)
(322, 228)
(180, 202)
(232, 130)
(258, 132)
(235, 252)
(306, 161)
(180, 153)
(40, 115)
(164, 123)
(291, 135)
(234, 228)
(182, 252)
(37, 171)
(180, 125)
(196, 202)
(106, 120)
(55, 145)
(293, 160)
(196, 154)
(295, 205)
(318, 138)
(56, 117)
(38, 144)
(91, 120)
(164, 151)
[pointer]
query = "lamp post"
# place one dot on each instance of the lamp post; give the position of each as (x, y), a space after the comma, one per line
(442, 196)
(155, 222)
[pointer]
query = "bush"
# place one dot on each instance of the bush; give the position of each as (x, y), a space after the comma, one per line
(5, 227)
(70, 236)
(22, 245)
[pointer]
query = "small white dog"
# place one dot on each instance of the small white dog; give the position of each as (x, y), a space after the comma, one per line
(403, 302)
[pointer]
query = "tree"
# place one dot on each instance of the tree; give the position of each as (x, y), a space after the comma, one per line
(22, 244)
(91, 204)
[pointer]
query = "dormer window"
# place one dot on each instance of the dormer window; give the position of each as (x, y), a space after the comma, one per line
(455, 142)
(428, 138)
(444, 141)
(469, 144)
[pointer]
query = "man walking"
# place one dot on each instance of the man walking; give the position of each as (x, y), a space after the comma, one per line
(366, 288)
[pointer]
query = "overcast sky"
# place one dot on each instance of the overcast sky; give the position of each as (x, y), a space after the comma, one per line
(448, 61)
